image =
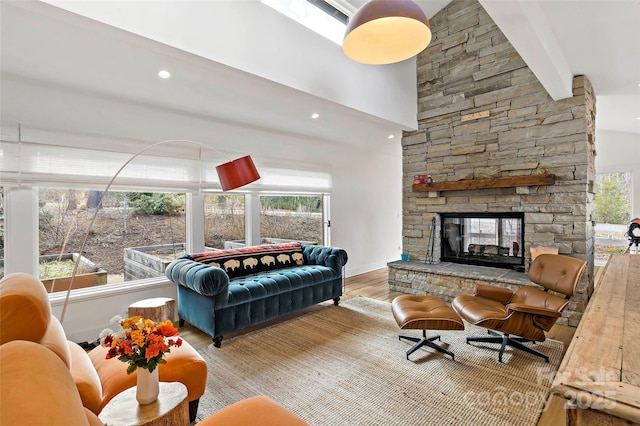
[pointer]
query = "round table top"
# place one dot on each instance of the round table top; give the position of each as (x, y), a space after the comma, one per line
(124, 410)
(150, 303)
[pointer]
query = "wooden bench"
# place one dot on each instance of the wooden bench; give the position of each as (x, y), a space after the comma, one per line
(600, 373)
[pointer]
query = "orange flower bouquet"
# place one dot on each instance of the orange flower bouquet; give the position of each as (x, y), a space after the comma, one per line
(140, 342)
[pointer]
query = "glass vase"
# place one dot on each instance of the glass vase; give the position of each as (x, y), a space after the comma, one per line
(148, 386)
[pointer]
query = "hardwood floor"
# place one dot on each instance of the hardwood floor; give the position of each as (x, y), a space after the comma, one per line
(375, 286)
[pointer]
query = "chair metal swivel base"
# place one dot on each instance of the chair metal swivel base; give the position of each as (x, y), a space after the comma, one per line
(505, 340)
(425, 341)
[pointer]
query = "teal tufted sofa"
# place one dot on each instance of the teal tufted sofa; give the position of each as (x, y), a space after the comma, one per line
(224, 291)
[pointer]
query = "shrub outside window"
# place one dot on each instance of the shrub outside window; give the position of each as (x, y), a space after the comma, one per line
(613, 214)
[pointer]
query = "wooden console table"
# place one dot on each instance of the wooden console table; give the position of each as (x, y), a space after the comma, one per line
(600, 373)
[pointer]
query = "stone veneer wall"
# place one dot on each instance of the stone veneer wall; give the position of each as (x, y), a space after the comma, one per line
(470, 68)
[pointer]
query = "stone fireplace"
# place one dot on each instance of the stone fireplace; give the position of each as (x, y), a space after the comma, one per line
(496, 145)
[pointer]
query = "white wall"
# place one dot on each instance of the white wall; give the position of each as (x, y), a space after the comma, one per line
(620, 152)
(252, 37)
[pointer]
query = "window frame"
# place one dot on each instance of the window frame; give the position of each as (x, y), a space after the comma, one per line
(194, 238)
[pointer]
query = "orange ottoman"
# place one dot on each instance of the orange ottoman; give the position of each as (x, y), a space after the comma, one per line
(424, 313)
(254, 411)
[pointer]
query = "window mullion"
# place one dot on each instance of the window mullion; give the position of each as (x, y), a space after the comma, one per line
(21, 230)
(252, 219)
(194, 212)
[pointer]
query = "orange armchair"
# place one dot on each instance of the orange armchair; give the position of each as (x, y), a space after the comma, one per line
(25, 314)
(528, 312)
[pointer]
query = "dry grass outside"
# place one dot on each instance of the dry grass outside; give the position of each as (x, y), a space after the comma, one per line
(62, 268)
(115, 229)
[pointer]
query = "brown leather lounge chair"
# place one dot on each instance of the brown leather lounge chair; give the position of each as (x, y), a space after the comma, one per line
(528, 312)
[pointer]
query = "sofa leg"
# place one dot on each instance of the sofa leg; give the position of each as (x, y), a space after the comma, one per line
(193, 409)
(217, 341)
(180, 322)
(336, 301)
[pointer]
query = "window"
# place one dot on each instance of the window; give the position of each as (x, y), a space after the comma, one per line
(137, 233)
(317, 15)
(291, 217)
(613, 214)
(613, 198)
(224, 221)
(134, 236)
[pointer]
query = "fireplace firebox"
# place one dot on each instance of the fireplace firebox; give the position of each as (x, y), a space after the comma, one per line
(487, 239)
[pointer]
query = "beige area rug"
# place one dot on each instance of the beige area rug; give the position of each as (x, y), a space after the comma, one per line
(345, 366)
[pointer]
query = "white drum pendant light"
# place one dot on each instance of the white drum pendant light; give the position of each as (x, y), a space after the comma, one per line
(386, 31)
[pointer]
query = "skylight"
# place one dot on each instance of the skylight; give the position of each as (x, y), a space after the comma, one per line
(322, 18)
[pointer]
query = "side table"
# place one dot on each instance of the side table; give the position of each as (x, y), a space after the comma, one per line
(157, 309)
(171, 408)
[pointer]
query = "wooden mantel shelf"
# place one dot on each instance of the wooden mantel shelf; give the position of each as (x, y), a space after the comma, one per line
(503, 182)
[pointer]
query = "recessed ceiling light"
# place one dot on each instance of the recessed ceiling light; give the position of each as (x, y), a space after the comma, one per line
(164, 74)
(315, 115)
(390, 137)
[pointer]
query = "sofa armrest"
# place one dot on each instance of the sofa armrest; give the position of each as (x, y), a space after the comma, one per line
(499, 294)
(331, 257)
(202, 278)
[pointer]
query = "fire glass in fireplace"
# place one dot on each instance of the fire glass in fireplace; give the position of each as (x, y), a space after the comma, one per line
(488, 239)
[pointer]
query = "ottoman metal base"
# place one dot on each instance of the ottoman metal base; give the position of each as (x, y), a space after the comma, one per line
(425, 341)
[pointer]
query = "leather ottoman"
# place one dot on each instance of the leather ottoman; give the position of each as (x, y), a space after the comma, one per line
(416, 312)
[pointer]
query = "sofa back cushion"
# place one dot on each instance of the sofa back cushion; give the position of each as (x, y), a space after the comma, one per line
(252, 259)
(25, 314)
(24, 308)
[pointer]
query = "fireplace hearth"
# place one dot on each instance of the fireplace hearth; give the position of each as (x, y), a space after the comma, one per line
(487, 239)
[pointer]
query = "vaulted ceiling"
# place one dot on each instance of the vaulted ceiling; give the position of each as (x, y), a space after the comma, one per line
(57, 52)
(562, 38)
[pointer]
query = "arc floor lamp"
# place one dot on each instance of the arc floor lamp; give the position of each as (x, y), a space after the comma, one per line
(232, 175)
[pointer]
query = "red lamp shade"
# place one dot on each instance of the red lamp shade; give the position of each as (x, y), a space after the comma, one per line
(237, 173)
